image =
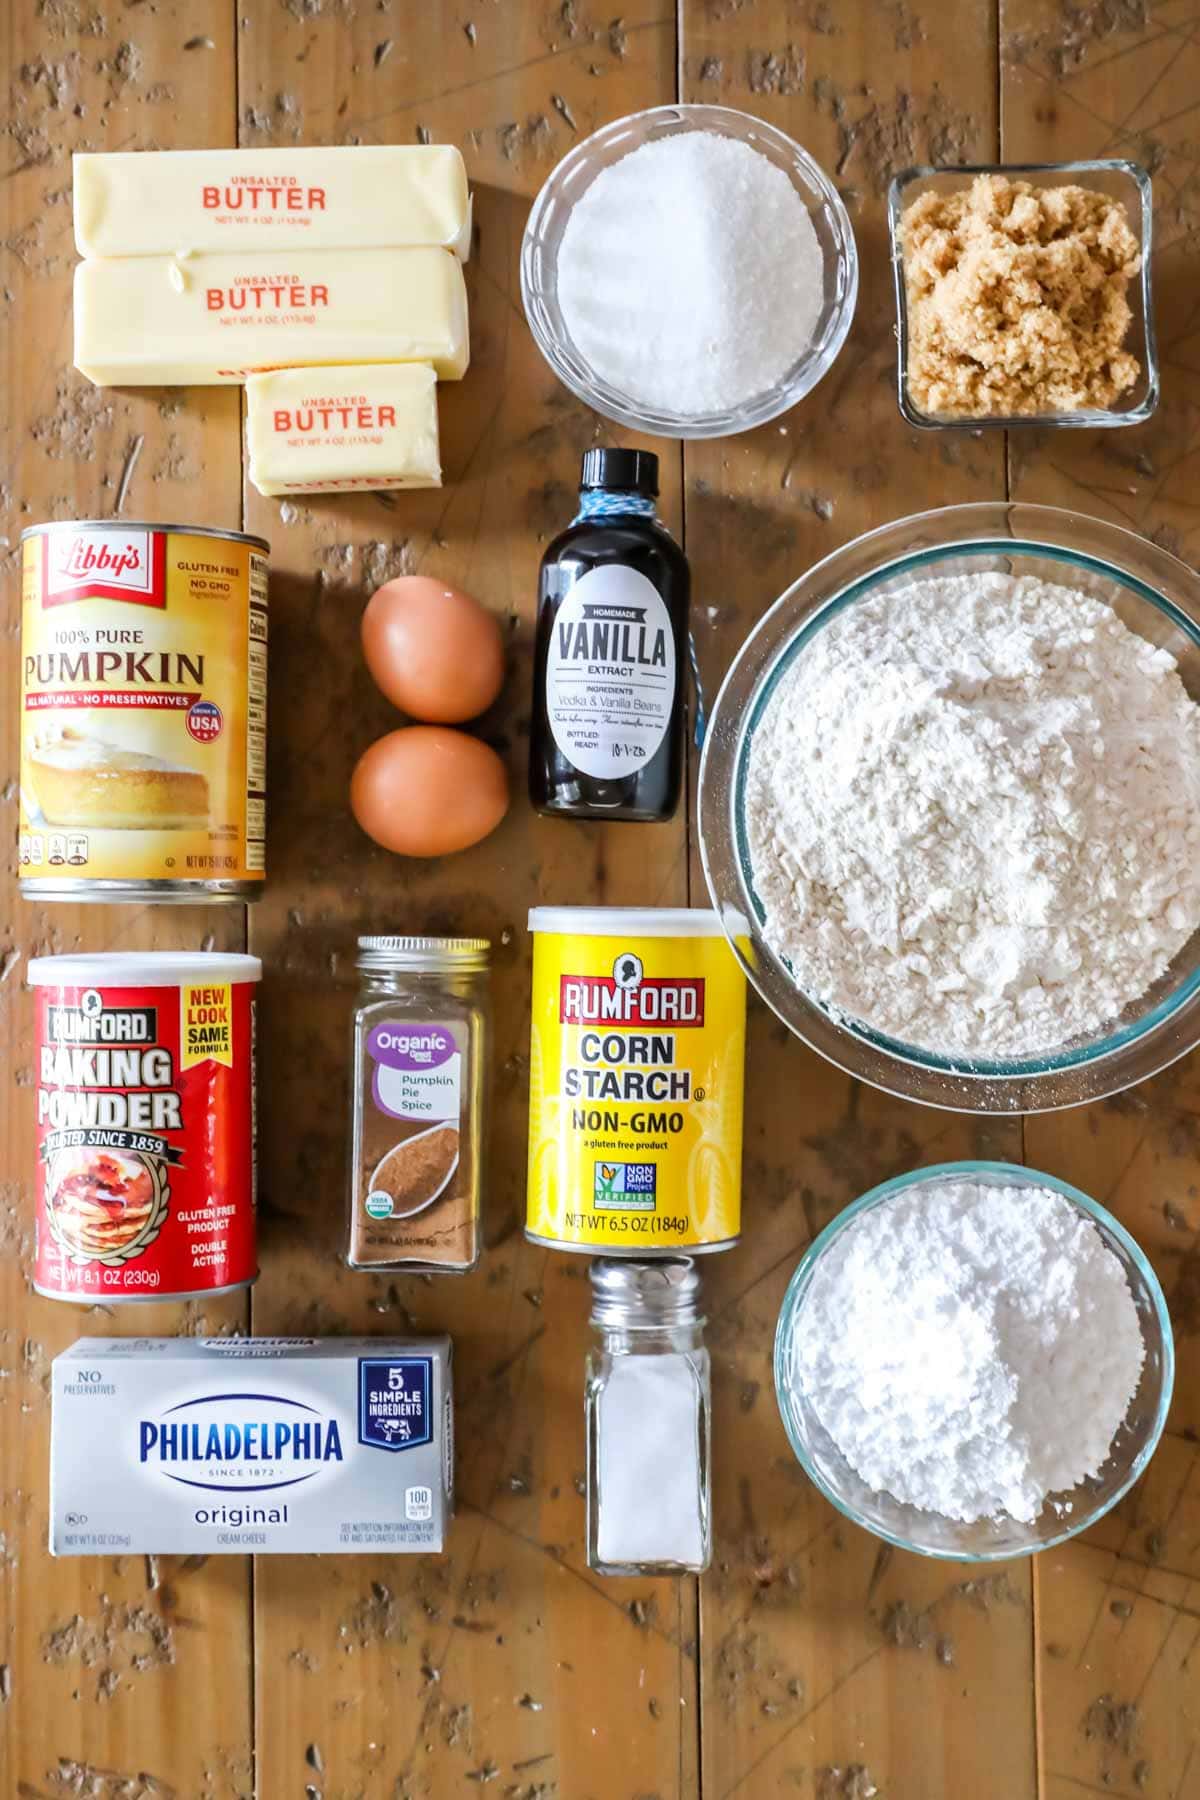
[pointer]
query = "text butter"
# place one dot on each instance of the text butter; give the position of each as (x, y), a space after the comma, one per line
(153, 202)
(332, 430)
(171, 1446)
(208, 319)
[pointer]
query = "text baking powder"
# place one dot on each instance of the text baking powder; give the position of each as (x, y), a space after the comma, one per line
(973, 813)
(970, 1348)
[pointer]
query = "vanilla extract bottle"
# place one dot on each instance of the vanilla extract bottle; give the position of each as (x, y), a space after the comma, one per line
(611, 655)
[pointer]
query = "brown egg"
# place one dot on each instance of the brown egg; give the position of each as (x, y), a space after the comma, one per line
(436, 653)
(427, 791)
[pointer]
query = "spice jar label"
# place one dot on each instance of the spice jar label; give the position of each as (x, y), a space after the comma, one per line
(414, 1181)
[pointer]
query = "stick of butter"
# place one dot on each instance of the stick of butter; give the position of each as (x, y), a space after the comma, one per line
(155, 202)
(326, 431)
(205, 320)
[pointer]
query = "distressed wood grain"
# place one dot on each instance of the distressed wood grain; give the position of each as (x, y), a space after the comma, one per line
(506, 1661)
(126, 1675)
(1117, 1610)
(813, 1661)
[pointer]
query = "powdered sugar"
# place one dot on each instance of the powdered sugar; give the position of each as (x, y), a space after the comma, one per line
(689, 275)
(973, 810)
(969, 1348)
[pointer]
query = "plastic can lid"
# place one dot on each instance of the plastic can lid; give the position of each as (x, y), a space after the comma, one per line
(142, 968)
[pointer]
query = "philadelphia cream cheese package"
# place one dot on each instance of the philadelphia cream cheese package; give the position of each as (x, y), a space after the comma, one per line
(180, 1446)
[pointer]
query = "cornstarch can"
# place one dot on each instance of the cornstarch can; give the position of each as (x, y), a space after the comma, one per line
(143, 712)
(219, 1446)
(145, 1180)
(636, 1067)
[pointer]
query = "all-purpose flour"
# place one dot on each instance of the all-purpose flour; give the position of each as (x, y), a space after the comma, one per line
(973, 811)
(970, 1349)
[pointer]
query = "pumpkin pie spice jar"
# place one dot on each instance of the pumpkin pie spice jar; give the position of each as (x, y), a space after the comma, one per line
(420, 1044)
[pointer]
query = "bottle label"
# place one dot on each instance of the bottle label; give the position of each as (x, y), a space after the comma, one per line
(610, 674)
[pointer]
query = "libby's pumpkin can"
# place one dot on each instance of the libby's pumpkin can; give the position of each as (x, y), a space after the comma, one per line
(144, 1187)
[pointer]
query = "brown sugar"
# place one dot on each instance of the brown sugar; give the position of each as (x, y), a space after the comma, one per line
(1016, 299)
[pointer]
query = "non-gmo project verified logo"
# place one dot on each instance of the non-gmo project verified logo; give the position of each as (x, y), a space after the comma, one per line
(624, 1187)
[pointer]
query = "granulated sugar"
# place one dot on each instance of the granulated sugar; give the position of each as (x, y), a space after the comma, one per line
(973, 810)
(689, 273)
(970, 1349)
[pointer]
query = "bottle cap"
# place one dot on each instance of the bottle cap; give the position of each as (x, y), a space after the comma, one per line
(629, 1294)
(631, 471)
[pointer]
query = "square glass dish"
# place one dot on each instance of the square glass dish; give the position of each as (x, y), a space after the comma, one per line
(1123, 181)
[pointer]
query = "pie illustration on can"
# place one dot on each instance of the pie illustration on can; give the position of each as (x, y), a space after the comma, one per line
(83, 781)
(101, 1203)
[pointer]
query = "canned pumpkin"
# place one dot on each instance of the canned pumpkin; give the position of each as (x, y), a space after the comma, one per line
(637, 1052)
(143, 717)
(144, 1187)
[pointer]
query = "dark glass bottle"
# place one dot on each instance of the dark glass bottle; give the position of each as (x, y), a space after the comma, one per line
(611, 657)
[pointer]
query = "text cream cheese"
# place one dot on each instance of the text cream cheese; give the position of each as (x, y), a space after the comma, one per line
(143, 203)
(214, 318)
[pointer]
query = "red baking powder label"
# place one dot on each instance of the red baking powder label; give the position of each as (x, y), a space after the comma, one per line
(145, 1132)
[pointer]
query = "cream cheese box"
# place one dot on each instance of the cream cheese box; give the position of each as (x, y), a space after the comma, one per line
(154, 202)
(177, 1446)
(211, 319)
(335, 430)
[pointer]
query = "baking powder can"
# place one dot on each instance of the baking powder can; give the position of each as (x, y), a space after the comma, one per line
(636, 1071)
(143, 712)
(145, 1091)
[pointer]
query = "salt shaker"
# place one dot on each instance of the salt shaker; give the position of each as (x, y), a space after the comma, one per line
(648, 1420)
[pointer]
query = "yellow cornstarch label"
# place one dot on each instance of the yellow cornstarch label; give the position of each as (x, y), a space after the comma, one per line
(637, 1050)
(205, 1024)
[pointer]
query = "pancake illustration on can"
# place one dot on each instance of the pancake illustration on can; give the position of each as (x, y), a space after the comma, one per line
(104, 1205)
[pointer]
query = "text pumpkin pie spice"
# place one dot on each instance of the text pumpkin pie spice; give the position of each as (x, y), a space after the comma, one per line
(1017, 299)
(420, 1043)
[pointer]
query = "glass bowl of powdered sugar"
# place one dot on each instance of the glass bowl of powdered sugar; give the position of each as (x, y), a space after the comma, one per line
(952, 779)
(974, 1361)
(689, 271)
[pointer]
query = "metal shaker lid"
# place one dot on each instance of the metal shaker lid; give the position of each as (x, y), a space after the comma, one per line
(630, 1294)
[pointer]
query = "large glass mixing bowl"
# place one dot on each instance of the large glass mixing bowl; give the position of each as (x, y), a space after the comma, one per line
(1064, 1514)
(1154, 593)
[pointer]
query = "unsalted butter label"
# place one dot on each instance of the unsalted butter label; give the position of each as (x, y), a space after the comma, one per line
(148, 202)
(328, 430)
(610, 673)
(208, 319)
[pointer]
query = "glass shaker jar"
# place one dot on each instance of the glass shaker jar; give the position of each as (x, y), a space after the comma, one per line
(421, 1038)
(648, 1420)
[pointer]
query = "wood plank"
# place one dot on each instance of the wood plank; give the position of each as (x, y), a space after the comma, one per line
(120, 1672)
(1116, 1610)
(829, 1664)
(410, 1677)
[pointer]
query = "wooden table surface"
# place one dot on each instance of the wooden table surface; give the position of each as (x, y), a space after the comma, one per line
(810, 1660)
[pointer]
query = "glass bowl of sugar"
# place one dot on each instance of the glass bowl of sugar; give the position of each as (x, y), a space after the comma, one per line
(952, 780)
(689, 271)
(1028, 1358)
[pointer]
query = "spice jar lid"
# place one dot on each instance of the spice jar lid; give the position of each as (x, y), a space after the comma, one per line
(423, 952)
(628, 1294)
